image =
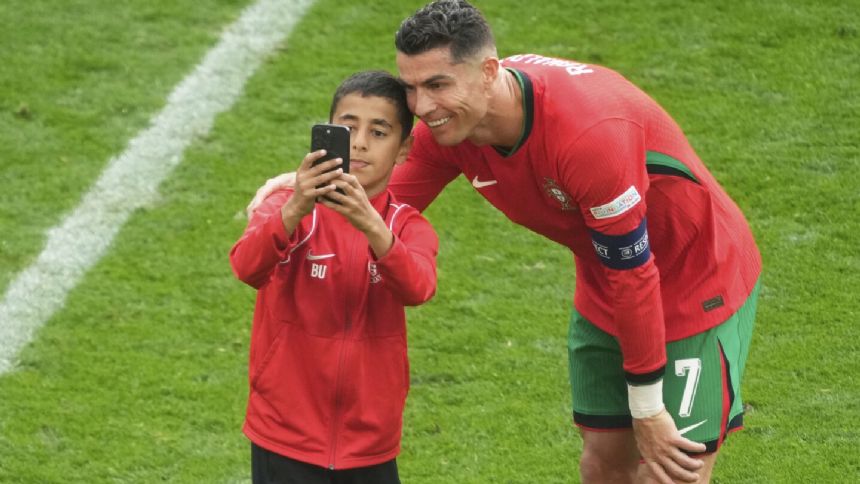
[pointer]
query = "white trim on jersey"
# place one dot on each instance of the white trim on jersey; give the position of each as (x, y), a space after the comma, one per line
(310, 232)
(396, 211)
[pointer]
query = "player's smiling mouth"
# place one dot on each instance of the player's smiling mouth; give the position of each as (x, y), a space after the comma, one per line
(438, 122)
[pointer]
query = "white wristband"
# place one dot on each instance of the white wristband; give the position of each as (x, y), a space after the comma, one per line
(645, 400)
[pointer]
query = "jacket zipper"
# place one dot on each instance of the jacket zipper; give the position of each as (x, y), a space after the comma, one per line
(347, 272)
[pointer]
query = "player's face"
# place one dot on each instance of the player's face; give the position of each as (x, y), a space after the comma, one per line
(451, 98)
(375, 144)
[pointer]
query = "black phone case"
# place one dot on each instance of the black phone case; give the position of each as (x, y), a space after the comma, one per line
(333, 138)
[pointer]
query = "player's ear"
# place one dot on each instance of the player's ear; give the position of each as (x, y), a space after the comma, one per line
(403, 152)
(490, 70)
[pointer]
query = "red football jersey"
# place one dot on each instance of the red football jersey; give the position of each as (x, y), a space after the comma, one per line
(328, 368)
(661, 250)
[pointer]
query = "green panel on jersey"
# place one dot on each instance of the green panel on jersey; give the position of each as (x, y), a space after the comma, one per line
(655, 159)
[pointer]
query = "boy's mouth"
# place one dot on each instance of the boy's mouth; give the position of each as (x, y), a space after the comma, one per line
(357, 164)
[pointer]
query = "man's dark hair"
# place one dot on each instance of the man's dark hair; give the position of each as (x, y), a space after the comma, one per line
(379, 84)
(445, 23)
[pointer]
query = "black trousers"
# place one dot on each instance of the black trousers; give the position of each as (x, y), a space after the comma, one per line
(267, 467)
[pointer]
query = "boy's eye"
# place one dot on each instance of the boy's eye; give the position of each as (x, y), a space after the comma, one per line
(378, 133)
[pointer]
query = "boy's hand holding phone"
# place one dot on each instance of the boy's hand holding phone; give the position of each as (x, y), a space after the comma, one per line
(312, 182)
(350, 200)
(323, 177)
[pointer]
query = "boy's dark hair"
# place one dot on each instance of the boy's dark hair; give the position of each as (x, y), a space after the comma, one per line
(445, 23)
(379, 84)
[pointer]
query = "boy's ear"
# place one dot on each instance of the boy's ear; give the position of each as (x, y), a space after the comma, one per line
(405, 145)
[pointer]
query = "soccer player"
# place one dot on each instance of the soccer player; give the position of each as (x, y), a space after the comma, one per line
(666, 266)
(328, 366)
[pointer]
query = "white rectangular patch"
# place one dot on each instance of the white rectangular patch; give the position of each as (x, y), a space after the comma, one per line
(623, 203)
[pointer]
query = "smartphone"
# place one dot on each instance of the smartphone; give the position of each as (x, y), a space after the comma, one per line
(334, 139)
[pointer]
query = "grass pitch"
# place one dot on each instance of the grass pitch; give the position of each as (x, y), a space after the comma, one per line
(142, 376)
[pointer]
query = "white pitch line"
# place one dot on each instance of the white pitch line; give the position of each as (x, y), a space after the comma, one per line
(131, 180)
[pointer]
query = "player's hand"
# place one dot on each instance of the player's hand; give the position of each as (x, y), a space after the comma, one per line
(284, 180)
(662, 449)
(306, 180)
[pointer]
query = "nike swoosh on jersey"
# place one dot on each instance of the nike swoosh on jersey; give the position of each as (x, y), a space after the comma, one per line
(319, 257)
(481, 184)
(691, 427)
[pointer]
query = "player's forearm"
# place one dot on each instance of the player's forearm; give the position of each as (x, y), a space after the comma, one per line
(638, 308)
(641, 335)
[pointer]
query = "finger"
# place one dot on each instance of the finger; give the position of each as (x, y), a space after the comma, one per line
(686, 461)
(688, 445)
(329, 202)
(677, 472)
(310, 158)
(351, 180)
(336, 196)
(251, 207)
(310, 182)
(324, 191)
(284, 180)
(658, 473)
(259, 196)
(349, 184)
(329, 176)
(263, 191)
(325, 166)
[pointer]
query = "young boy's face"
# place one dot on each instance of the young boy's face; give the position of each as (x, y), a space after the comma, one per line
(375, 144)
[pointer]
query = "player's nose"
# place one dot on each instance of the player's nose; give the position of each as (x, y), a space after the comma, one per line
(424, 104)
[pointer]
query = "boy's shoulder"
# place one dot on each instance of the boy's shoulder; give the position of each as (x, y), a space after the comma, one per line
(401, 213)
(398, 206)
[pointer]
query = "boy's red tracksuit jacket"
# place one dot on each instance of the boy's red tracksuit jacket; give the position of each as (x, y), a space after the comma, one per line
(328, 366)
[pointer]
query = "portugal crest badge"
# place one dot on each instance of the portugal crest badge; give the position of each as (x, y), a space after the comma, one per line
(554, 191)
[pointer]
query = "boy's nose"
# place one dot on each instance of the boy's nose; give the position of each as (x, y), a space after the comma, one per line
(359, 141)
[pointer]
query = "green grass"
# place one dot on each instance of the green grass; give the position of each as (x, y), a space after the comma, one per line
(142, 376)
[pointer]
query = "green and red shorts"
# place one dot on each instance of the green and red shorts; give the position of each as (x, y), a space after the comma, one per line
(701, 386)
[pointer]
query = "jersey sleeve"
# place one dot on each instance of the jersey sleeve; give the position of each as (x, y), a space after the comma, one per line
(606, 175)
(264, 243)
(425, 173)
(409, 267)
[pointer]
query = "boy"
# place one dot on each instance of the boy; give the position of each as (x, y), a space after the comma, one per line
(328, 366)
